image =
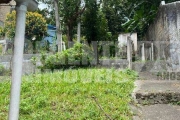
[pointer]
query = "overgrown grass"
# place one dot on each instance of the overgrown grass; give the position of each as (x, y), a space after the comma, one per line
(93, 94)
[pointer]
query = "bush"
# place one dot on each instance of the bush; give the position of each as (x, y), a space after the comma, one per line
(2, 33)
(3, 71)
(78, 56)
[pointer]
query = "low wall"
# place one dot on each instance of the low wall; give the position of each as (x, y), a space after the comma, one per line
(8, 58)
(117, 63)
(150, 66)
(28, 67)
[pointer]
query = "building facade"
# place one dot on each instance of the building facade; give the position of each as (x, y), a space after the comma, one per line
(4, 10)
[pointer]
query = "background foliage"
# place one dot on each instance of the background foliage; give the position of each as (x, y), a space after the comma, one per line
(35, 25)
(78, 56)
(140, 15)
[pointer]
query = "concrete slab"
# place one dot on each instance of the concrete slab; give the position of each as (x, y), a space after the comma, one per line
(156, 92)
(147, 76)
(157, 86)
(153, 98)
(160, 112)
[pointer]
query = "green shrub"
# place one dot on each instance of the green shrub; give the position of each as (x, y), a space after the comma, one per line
(79, 55)
(3, 71)
(2, 33)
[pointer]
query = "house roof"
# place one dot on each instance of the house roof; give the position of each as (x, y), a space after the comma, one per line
(4, 1)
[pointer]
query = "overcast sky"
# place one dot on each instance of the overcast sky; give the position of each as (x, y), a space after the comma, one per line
(42, 6)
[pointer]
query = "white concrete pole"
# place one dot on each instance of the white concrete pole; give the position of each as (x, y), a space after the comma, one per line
(143, 52)
(152, 51)
(150, 55)
(79, 32)
(129, 55)
(17, 62)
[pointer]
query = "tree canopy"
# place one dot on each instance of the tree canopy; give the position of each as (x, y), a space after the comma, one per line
(94, 22)
(35, 25)
(106, 16)
(140, 14)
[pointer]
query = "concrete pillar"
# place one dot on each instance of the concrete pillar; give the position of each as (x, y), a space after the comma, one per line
(129, 53)
(64, 46)
(79, 32)
(150, 55)
(21, 8)
(152, 52)
(96, 56)
(17, 62)
(163, 52)
(106, 50)
(143, 52)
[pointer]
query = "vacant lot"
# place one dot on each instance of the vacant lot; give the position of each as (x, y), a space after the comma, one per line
(94, 94)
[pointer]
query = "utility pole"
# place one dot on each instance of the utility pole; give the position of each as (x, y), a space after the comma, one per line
(58, 26)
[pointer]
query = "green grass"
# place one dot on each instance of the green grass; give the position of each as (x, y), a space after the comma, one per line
(83, 94)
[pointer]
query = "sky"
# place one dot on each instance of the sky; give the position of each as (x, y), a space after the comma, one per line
(42, 6)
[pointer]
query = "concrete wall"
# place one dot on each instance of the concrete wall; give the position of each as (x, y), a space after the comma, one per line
(28, 67)
(8, 58)
(165, 33)
(150, 66)
(122, 40)
(117, 63)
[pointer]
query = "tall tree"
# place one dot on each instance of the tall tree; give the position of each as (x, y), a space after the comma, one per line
(94, 22)
(140, 15)
(115, 13)
(58, 26)
(55, 6)
(69, 10)
(95, 25)
(48, 15)
(35, 27)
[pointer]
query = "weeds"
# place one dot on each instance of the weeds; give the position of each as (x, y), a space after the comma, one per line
(68, 95)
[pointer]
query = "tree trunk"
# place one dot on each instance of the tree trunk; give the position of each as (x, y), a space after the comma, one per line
(79, 32)
(70, 35)
(69, 32)
(34, 47)
(58, 26)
